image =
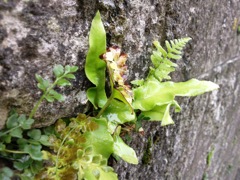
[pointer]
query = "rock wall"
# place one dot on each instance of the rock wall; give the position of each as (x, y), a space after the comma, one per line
(36, 35)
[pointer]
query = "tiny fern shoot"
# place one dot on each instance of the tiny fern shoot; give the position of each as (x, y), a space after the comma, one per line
(161, 58)
(62, 77)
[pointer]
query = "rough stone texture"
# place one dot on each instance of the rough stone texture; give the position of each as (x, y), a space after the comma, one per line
(35, 35)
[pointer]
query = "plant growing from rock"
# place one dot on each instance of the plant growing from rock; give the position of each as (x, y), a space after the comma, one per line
(21, 144)
(81, 146)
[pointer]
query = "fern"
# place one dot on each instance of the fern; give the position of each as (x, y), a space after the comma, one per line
(161, 58)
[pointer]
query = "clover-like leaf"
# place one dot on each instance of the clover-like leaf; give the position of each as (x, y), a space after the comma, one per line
(34, 151)
(44, 139)
(6, 138)
(58, 70)
(22, 143)
(26, 124)
(34, 134)
(23, 163)
(12, 121)
(17, 132)
(6, 173)
(36, 166)
(21, 119)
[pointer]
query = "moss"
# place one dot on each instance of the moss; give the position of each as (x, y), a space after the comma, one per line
(147, 156)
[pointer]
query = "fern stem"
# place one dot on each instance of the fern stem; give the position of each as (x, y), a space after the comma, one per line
(35, 108)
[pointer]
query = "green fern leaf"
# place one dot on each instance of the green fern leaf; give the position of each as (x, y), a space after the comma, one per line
(161, 58)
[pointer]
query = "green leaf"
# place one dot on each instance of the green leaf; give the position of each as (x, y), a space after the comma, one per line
(166, 120)
(154, 99)
(98, 173)
(6, 173)
(44, 139)
(173, 56)
(100, 139)
(161, 58)
(139, 82)
(70, 69)
(21, 119)
(118, 113)
(39, 78)
(118, 95)
(93, 95)
(63, 82)
(159, 48)
(12, 121)
(2, 146)
(34, 151)
(16, 132)
(49, 98)
(6, 138)
(27, 123)
(34, 134)
(57, 95)
(153, 93)
(95, 67)
(36, 166)
(58, 70)
(22, 143)
(43, 84)
(70, 76)
(124, 151)
(22, 163)
(50, 130)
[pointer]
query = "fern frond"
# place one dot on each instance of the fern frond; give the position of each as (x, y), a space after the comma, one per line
(161, 58)
(175, 48)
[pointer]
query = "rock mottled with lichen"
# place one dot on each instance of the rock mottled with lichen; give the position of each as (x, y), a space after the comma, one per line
(37, 34)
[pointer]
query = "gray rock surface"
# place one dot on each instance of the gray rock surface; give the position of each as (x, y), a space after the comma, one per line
(36, 35)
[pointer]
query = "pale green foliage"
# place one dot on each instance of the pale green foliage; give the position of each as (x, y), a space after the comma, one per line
(124, 151)
(95, 67)
(161, 58)
(153, 97)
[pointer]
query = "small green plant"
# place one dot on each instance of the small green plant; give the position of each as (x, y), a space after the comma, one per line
(79, 147)
(21, 144)
(210, 156)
